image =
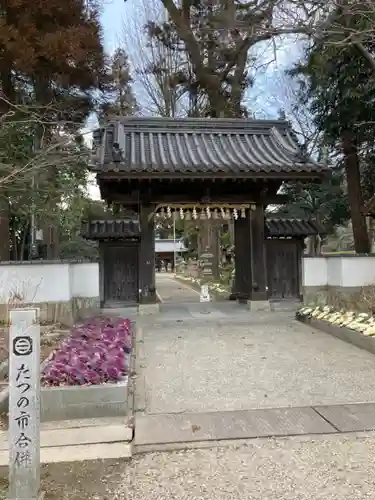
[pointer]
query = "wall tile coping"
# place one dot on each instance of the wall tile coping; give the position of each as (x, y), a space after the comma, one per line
(339, 255)
(43, 262)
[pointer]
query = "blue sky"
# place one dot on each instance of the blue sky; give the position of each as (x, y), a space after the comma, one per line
(112, 19)
(264, 99)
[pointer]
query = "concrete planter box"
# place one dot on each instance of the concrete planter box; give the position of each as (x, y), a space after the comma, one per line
(85, 401)
(79, 402)
(341, 332)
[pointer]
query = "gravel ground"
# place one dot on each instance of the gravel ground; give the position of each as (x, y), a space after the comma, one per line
(329, 468)
(266, 362)
(232, 359)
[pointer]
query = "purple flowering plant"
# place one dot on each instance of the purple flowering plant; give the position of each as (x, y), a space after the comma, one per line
(95, 352)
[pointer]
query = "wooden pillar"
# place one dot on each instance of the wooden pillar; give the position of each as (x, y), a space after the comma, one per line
(242, 259)
(146, 263)
(258, 254)
(300, 251)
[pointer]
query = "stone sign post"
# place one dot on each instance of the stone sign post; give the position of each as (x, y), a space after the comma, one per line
(206, 275)
(24, 405)
(207, 263)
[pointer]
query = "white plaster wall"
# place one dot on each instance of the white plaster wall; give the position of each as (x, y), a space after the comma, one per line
(85, 279)
(34, 282)
(358, 271)
(314, 271)
(50, 282)
(338, 271)
(334, 271)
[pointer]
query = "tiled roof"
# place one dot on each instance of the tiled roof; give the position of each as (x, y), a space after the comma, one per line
(199, 146)
(110, 228)
(293, 227)
(122, 228)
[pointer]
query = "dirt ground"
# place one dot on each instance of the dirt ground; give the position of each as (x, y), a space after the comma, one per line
(76, 481)
(47, 344)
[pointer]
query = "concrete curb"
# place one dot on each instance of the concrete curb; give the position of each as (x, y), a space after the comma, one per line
(193, 445)
(341, 332)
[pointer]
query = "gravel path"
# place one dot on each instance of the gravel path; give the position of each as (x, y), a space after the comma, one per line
(246, 361)
(333, 468)
(173, 291)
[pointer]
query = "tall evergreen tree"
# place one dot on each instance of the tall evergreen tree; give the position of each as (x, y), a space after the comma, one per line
(119, 97)
(340, 92)
(52, 59)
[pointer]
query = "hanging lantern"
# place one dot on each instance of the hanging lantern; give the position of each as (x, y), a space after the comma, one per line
(227, 214)
(243, 213)
(215, 214)
(202, 215)
(195, 215)
(162, 212)
(208, 212)
(235, 213)
(188, 215)
(169, 212)
(181, 214)
(222, 213)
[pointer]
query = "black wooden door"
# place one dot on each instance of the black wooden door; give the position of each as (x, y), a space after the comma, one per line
(121, 272)
(282, 268)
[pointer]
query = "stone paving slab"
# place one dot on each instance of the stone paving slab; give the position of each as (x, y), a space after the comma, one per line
(174, 428)
(350, 418)
(77, 436)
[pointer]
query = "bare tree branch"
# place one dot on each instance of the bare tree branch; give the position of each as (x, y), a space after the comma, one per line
(153, 63)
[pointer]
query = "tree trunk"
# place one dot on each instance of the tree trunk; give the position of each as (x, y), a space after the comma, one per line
(4, 228)
(360, 234)
(42, 137)
(371, 231)
(9, 93)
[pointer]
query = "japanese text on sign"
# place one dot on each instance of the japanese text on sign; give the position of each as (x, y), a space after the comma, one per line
(24, 404)
(22, 443)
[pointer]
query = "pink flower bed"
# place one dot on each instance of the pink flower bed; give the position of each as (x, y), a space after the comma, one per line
(96, 352)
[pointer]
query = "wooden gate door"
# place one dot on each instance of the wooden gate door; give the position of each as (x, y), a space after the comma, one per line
(283, 269)
(121, 272)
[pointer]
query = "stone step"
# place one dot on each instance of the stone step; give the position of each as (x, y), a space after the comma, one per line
(77, 436)
(86, 422)
(78, 453)
(72, 440)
